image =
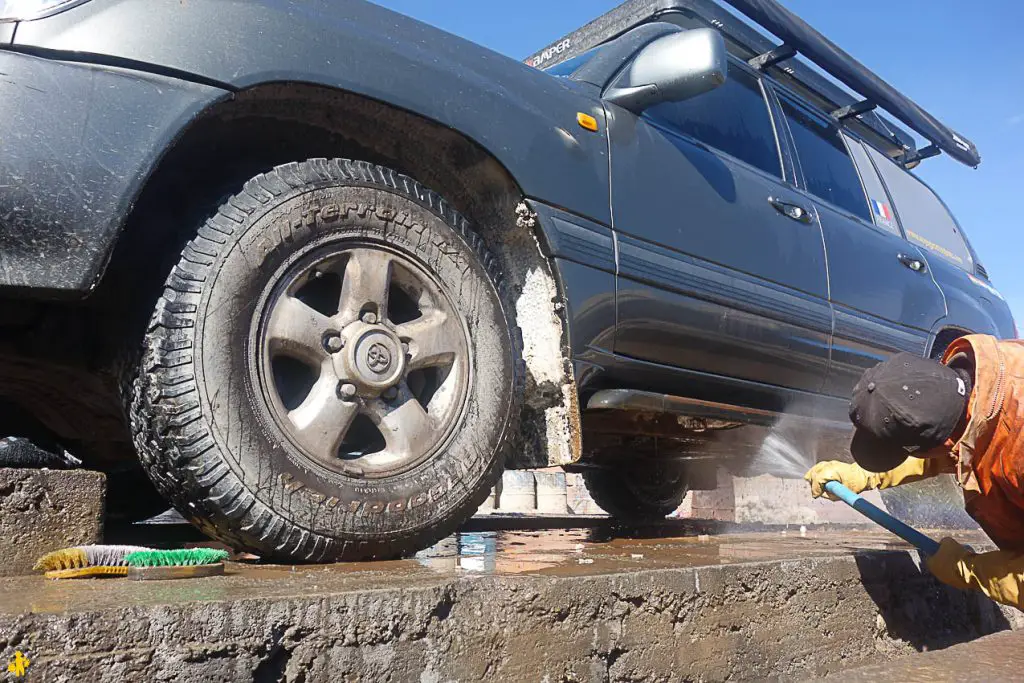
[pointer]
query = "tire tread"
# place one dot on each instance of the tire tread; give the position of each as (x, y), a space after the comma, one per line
(162, 395)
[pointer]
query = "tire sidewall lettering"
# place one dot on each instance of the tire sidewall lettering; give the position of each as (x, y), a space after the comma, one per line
(318, 499)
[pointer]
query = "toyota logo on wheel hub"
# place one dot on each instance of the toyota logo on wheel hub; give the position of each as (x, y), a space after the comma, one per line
(378, 357)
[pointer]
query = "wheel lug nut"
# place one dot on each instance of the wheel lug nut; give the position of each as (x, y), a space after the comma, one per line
(346, 391)
(333, 343)
(369, 317)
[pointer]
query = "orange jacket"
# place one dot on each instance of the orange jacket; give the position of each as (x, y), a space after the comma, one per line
(991, 451)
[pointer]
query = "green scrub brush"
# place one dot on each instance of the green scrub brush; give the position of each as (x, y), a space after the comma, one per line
(148, 564)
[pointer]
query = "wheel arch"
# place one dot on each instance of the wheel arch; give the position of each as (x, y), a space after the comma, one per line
(271, 124)
(944, 337)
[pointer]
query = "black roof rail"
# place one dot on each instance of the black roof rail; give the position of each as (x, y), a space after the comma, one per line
(782, 62)
(772, 57)
(798, 34)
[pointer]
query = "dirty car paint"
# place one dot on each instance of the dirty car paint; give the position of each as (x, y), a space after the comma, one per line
(76, 142)
(520, 115)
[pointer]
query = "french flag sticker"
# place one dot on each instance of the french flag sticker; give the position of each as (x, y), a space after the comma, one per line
(882, 211)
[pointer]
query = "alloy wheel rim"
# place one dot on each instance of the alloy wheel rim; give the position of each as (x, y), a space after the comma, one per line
(364, 361)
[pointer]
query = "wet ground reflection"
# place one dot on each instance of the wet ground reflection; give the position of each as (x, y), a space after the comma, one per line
(615, 549)
(500, 549)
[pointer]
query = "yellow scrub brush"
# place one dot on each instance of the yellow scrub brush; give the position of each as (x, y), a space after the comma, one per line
(87, 561)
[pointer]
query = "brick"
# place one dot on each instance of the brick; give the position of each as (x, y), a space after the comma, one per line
(46, 510)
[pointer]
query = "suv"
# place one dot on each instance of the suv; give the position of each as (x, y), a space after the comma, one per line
(325, 271)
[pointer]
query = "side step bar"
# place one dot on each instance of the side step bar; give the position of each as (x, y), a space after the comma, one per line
(649, 402)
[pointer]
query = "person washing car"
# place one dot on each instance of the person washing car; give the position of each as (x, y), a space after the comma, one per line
(917, 418)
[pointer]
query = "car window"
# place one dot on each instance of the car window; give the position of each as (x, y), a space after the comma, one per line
(828, 168)
(571, 66)
(925, 219)
(733, 118)
(878, 201)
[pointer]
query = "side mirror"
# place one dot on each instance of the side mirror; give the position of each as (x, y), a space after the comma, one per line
(672, 68)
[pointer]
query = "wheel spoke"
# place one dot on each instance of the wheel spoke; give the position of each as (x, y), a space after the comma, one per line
(296, 328)
(357, 282)
(323, 419)
(433, 340)
(366, 281)
(406, 427)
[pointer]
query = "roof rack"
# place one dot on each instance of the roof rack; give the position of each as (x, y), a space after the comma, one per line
(781, 61)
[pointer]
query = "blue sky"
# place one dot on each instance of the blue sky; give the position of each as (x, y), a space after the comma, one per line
(958, 60)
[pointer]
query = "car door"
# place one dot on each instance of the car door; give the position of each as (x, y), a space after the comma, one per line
(972, 303)
(720, 269)
(881, 287)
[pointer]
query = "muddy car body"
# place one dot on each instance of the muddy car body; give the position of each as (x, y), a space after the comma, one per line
(176, 176)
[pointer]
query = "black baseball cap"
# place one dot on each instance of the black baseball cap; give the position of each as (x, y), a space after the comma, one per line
(904, 406)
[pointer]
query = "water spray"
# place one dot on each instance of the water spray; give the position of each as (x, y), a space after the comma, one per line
(790, 448)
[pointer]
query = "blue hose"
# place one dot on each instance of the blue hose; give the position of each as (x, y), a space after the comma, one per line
(926, 545)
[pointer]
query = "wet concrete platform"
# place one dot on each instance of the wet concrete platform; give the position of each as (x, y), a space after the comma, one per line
(668, 603)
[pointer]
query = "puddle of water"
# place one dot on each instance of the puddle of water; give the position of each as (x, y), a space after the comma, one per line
(608, 550)
(504, 552)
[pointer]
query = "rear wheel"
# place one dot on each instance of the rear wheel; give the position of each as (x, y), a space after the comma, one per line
(329, 373)
(638, 493)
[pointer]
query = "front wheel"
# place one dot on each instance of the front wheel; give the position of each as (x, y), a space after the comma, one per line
(329, 374)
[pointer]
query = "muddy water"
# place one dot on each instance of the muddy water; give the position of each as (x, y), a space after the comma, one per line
(597, 551)
(563, 553)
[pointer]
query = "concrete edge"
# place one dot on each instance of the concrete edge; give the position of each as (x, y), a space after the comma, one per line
(751, 621)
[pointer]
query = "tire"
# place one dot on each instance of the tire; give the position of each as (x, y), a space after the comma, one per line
(231, 439)
(631, 493)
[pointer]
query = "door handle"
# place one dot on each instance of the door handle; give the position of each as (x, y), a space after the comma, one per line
(793, 211)
(915, 264)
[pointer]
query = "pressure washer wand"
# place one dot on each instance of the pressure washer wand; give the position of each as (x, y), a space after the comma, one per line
(926, 545)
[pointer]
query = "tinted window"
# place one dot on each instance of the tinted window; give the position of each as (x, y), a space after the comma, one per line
(733, 118)
(924, 218)
(827, 166)
(571, 66)
(878, 201)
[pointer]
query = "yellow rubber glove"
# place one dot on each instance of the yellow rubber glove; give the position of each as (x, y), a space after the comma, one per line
(911, 470)
(858, 480)
(850, 475)
(998, 574)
